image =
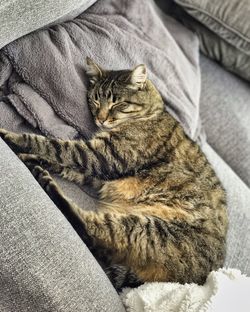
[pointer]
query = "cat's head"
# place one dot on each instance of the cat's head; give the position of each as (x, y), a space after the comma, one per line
(116, 97)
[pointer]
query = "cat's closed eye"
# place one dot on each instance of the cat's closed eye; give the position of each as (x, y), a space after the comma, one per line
(120, 106)
(127, 108)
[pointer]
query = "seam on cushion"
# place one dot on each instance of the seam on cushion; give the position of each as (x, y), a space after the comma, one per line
(223, 23)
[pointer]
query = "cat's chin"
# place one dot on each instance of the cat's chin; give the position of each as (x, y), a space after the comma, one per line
(106, 128)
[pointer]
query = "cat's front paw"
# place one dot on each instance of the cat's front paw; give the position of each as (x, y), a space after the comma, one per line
(32, 160)
(3, 133)
(42, 176)
(8, 137)
(48, 184)
(14, 140)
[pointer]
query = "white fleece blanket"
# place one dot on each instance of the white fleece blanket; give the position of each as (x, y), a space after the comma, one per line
(226, 290)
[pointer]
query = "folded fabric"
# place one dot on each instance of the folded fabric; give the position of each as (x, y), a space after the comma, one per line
(43, 73)
(224, 290)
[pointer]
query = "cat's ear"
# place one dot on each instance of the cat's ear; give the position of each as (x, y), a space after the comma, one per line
(93, 70)
(138, 75)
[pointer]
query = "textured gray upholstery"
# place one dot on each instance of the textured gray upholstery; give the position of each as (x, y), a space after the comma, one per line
(223, 29)
(238, 196)
(44, 266)
(225, 112)
(18, 18)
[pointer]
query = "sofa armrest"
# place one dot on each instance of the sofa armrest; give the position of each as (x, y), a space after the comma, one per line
(44, 264)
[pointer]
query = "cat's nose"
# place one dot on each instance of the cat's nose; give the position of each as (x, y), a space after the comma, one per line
(102, 117)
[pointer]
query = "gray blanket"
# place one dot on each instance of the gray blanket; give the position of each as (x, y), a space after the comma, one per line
(42, 75)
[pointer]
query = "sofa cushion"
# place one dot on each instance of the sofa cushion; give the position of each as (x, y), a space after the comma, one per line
(225, 113)
(44, 264)
(224, 31)
(238, 197)
(18, 18)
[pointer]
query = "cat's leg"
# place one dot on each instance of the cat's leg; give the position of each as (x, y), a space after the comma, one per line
(44, 151)
(71, 174)
(68, 153)
(134, 238)
(48, 148)
(78, 154)
(66, 173)
(32, 160)
(68, 208)
(57, 156)
(105, 156)
(121, 276)
(103, 225)
(20, 143)
(140, 242)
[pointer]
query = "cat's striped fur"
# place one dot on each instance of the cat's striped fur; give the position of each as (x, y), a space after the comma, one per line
(162, 214)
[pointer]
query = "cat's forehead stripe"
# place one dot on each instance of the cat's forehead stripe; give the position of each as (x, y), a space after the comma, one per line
(106, 87)
(103, 87)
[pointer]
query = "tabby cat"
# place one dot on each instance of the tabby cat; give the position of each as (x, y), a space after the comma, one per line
(162, 214)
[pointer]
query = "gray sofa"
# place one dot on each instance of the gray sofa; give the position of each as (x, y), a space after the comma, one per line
(44, 266)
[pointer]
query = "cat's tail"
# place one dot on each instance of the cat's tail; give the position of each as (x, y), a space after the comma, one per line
(121, 276)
